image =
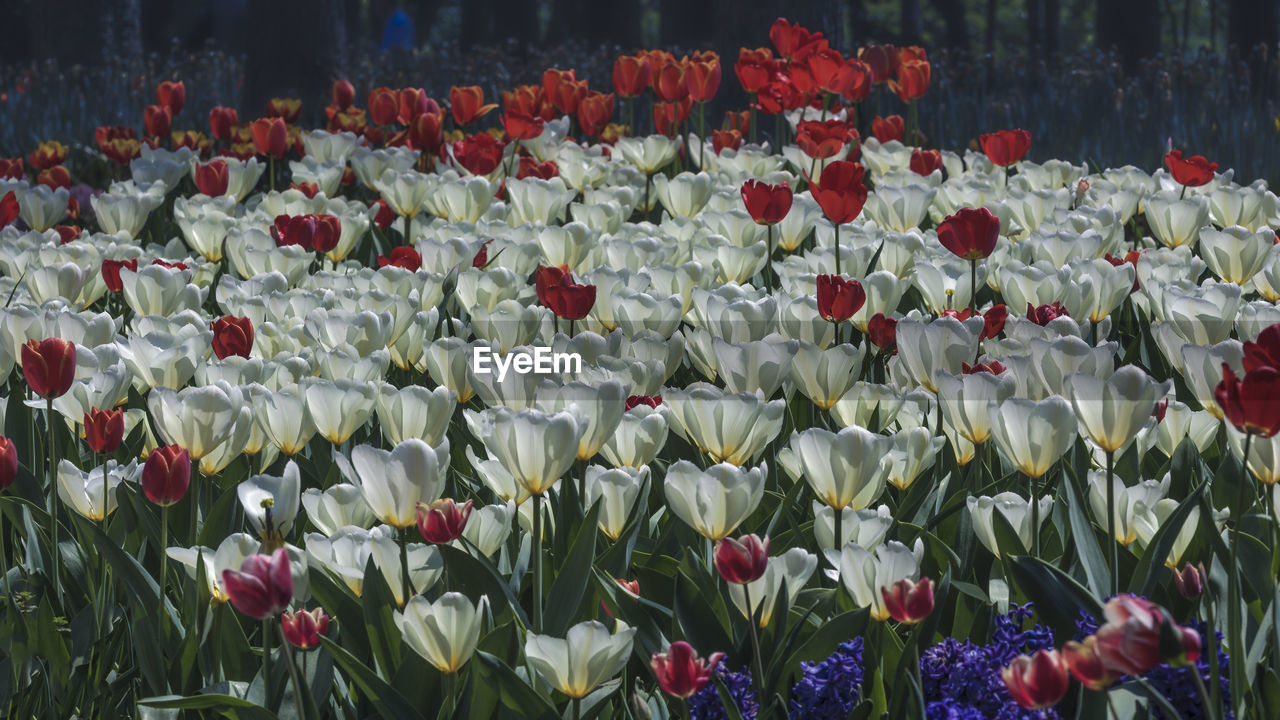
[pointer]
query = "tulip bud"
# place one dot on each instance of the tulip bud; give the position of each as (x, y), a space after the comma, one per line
(212, 177)
(270, 136)
(262, 587)
(157, 119)
(1189, 581)
(111, 272)
(104, 430)
(166, 475)
(767, 204)
(9, 209)
(8, 462)
(970, 234)
(343, 93)
(631, 587)
(743, 560)
(1005, 147)
(303, 628)
(839, 299)
(680, 671)
(221, 120)
(909, 602)
(1083, 662)
(49, 366)
(443, 520)
(172, 95)
(1039, 681)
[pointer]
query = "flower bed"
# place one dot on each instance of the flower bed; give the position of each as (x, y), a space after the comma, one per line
(451, 411)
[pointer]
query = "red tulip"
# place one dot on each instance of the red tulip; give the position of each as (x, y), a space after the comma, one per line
(882, 331)
(970, 234)
(909, 602)
(47, 154)
(529, 167)
(557, 291)
(482, 255)
(669, 83)
(881, 59)
(212, 177)
(55, 177)
(680, 671)
(594, 113)
(303, 628)
(384, 105)
(794, 41)
(767, 204)
(1039, 681)
(166, 475)
(912, 81)
(157, 119)
(1263, 351)
(1047, 313)
(702, 77)
(1129, 642)
(232, 336)
(111, 272)
(172, 95)
(721, 139)
(66, 233)
(343, 93)
(426, 132)
(479, 154)
(221, 120)
(49, 366)
(754, 68)
(821, 140)
(925, 162)
(443, 520)
(317, 233)
(270, 137)
(262, 587)
(857, 82)
(635, 401)
(104, 430)
(839, 299)
(743, 560)
(993, 321)
(1005, 147)
(840, 191)
(8, 462)
(1251, 403)
(1083, 662)
(467, 104)
(1192, 171)
(287, 109)
(9, 209)
(384, 216)
(632, 75)
(403, 257)
(11, 168)
(521, 126)
(888, 129)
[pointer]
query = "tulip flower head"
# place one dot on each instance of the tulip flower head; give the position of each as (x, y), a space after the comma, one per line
(49, 366)
(970, 234)
(8, 462)
(442, 521)
(402, 257)
(1193, 171)
(882, 331)
(1038, 681)
(839, 299)
(568, 300)
(303, 628)
(111, 272)
(1005, 147)
(632, 75)
(743, 560)
(9, 209)
(1263, 351)
(232, 336)
(212, 178)
(1189, 580)
(467, 104)
(314, 232)
(1251, 403)
(221, 121)
(888, 129)
(680, 671)
(767, 204)
(1083, 662)
(166, 475)
(172, 95)
(636, 400)
(270, 136)
(262, 587)
(840, 191)
(104, 430)
(908, 601)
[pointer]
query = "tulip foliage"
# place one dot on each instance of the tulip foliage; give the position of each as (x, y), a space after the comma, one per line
(830, 425)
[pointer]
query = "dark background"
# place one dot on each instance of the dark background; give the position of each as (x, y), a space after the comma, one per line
(1101, 81)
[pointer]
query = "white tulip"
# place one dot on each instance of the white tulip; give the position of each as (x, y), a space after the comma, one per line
(446, 631)
(714, 501)
(588, 656)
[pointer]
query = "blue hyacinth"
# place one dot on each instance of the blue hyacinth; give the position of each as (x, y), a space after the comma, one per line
(706, 704)
(829, 690)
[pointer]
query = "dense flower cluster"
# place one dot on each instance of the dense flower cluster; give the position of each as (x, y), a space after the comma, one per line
(706, 704)
(829, 690)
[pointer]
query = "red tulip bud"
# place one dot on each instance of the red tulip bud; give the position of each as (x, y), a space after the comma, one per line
(743, 560)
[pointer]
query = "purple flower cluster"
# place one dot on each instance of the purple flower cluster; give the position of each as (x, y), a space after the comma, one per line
(1176, 683)
(961, 680)
(706, 704)
(828, 690)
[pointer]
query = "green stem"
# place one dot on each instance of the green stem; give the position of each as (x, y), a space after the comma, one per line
(537, 563)
(1035, 521)
(406, 588)
(1203, 692)
(768, 259)
(839, 521)
(973, 284)
(1111, 524)
(164, 554)
(267, 642)
(293, 675)
(577, 708)
(51, 467)
(837, 229)
(1234, 592)
(755, 639)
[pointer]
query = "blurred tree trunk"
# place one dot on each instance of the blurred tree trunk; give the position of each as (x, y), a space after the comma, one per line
(989, 44)
(1052, 28)
(858, 23)
(299, 63)
(616, 23)
(912, 24)
(122, 30)
(1132, 28)
(686, 24)
(53, 37)
(1035, 31)
(957, 26)
(1251, 23)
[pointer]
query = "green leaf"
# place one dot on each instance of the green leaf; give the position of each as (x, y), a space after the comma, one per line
(1058, 597)
(225, 705)
(569, 589)
(1147, 573)
(1096, 571)
(379, 620)
(513, 692)
(389, 702)
(474, 577)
